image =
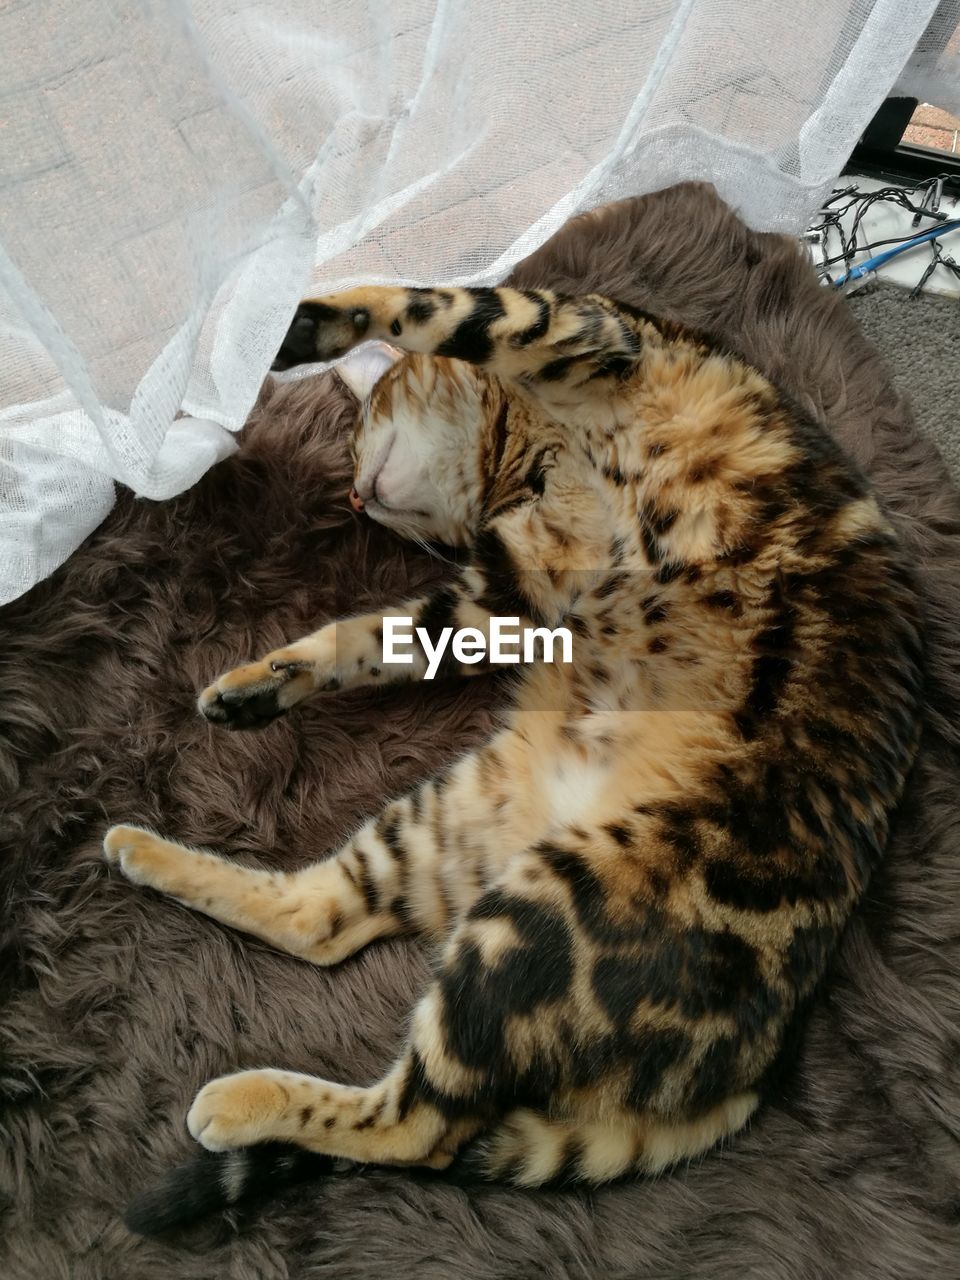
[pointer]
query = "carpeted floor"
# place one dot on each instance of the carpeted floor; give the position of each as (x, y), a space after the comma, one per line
(116, 1005)
(919, 339)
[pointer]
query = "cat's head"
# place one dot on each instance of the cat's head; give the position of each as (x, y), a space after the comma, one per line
(423, 446)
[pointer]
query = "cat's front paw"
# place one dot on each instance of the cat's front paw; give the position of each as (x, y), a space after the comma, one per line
(322, 330)
(253, 696)
(239, 1109)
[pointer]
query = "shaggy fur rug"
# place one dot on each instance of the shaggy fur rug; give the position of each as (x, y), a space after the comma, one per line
(117, 1004)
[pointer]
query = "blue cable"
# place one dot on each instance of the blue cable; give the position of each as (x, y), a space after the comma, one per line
(857, 272)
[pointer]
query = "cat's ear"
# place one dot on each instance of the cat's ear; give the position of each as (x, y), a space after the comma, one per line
(363, 368)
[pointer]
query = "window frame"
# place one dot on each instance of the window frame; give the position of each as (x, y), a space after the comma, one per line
(882, 153)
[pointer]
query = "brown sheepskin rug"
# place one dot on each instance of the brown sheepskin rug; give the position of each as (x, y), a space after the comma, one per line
(117, 1004)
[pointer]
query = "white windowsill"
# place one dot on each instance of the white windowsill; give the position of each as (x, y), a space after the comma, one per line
(885, 221)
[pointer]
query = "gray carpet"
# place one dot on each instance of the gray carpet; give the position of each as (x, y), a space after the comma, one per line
(919, 339)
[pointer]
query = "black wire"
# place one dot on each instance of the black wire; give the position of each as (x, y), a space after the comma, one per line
(832, 220)
(895, 195)
(877, 244)
(849, 243)
(945, 260)
(931, 267)
(938, 260)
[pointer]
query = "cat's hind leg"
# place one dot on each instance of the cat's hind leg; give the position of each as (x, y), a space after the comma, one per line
(390, 1122)
(484, 1032)
(509, 959)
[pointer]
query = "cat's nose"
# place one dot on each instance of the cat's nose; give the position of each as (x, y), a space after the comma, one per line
(355, 500)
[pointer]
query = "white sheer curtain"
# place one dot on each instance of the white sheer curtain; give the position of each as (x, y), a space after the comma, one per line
(173, 174)
(933, 72)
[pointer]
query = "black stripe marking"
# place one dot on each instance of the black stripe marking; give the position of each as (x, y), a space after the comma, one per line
(416, 805)
(724, 600)
(471, 340)
(668, 572)
(539, 327)
(387, 828)
(621, 834)
(417, 1088)
(439, 611)
(536, 477)
(369, 1121)
(651, 547)
(611, 584)
(613, 367)
(557, 370)
(367, 885)
(422, 307)
(502, 594)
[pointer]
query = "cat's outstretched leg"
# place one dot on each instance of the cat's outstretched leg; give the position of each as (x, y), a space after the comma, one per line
(252, 1118)
(534, 335)
(416, 866)
(390, 1122)
(344, 654)
(351, 653)
(322, 913)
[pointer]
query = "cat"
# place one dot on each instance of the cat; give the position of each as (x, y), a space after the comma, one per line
(636, 884)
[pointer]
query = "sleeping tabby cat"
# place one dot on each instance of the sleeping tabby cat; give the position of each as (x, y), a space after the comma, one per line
(637, 883)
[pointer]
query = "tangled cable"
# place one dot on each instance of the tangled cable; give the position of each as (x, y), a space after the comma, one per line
(923, 201)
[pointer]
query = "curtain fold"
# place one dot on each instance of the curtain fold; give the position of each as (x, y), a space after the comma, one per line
(174, 175)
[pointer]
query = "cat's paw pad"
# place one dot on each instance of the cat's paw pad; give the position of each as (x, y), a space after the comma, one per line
(236, 1110)
(320, 331)
(240, 708)
(253, 696)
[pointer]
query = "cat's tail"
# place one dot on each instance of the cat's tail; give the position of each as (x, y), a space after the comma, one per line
(215, 1180)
